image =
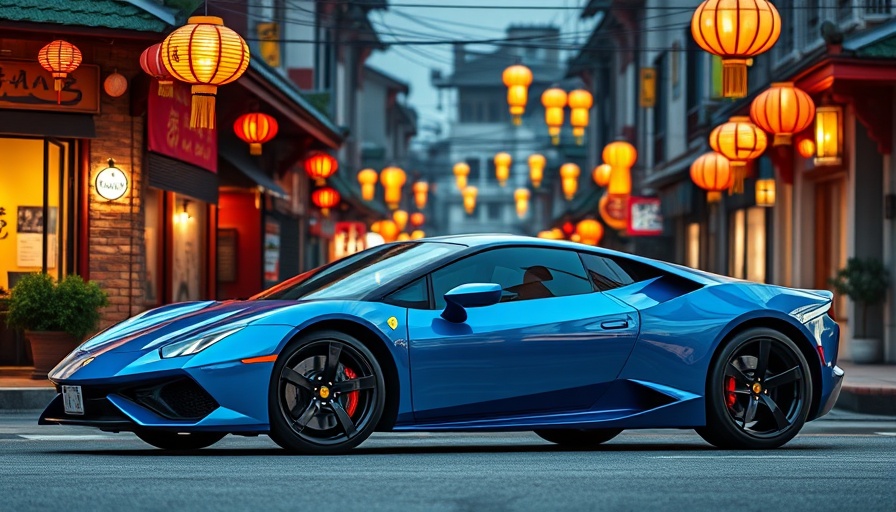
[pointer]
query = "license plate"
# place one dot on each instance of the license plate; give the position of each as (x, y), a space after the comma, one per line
(72, 400)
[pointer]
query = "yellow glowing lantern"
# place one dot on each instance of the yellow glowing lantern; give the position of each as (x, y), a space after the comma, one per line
(783, 110)
(521, 197)
(517, 78)
(417, 234)
(404, 237)
(368, 178)
(590, 231)
(620, 154)
(59, 58)
(601, 175)
(806, 148)
(461, 171)
(421, 193)
(205, 54)
(580, 102)
(502, 167)
(388, 230)
(712, 172)
(469, 194)
(613, 212)
(828, 135)
(319, 166)
(569, 179)
(401, 219)
(375, 227)
(765, 192)
(740, 141)
(392, 179)
(554, 100)
(536, 169)
(417, 219)
(736, 31)
(553, 234)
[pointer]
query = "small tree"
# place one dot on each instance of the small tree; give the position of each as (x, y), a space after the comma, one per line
(865, 281)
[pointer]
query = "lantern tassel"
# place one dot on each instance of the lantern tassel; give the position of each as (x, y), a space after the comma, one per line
(254, 148)
(202, 114)
(713, 197)
(517, 119)
(783, 139)
(740, 173)
(166, 89)
(734, 78)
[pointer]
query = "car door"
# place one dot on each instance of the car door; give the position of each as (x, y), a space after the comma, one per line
(551, 344)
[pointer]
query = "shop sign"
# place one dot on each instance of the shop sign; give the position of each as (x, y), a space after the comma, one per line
(111, 183)
(169, 131)
(645, 217)
(25, 85)
(349, 238)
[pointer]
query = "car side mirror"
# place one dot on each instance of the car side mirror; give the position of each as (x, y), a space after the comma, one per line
(472, 295)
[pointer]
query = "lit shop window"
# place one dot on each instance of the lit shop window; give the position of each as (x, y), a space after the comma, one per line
(747, 244)
(693, 255)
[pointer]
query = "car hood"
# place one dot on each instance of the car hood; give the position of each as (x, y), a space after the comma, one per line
(157, 327)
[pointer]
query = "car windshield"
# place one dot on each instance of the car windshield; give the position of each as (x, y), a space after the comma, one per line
(355, 276)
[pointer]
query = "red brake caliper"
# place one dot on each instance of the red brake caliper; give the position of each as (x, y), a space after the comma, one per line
(352, 404)
(731, 398)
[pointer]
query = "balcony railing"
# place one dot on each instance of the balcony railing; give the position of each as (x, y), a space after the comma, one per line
(878, 7)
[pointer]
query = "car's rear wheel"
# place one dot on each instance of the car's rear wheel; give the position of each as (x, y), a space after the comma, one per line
(758, 392)
(579, 439)
(180, 441)
(327, 394)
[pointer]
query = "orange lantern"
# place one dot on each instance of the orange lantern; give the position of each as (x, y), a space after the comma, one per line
(554, 234)
(554, 99)
(712, 172)
(404, 237)
(417, 234)
(502, 167)
(325, 198)
(368, 178)
(569, 180)
(421, 193)
(613, 212)
(388, 230)
(590, 231)
(59, 58)
(580, 101)
(375, 227)
(461, 171)
(417, 219)
(740, 141)
(601, 175)
(469, 194)
(151, 62)
(319, 166)
(736, 32)
(521, 197)
(255, 128)
(401, 219)
(205, 54)
(536, 169)
(806, 148)
(765, 192)
(783, 110)
(393, 178)
(517, 78)
(620, 154)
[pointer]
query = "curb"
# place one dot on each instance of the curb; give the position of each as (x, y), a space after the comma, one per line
(25, 398)
(867, 400)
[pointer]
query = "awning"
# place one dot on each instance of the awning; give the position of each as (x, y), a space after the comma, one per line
(47, 124)
(175, 176)
(251, 173)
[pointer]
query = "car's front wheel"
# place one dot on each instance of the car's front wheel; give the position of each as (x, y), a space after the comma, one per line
(327, 394)
(579, 439)
(179, 441)
(758, 393)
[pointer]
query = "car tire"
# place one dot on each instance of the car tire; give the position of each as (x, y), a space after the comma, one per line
(579, 439)
(327, 394)
(178, 441)
(759, 392)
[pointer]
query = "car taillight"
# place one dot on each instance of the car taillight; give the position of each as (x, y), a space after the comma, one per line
(821, 355)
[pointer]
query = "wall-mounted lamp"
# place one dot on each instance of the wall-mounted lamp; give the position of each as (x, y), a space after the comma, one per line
(765, 192)
(828, 135)
(183, 216)
(111, 183)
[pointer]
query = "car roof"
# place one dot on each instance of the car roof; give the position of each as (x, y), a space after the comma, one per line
(494, 239)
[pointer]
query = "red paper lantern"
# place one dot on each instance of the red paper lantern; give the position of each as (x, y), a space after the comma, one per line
(151, 62)
(255, 128)
(319, 166)
(417, 219)
(59, 58)
(325, 198)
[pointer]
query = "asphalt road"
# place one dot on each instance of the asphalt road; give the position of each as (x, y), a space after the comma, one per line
(844, 462)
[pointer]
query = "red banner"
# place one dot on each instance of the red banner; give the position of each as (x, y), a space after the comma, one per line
(170, 133)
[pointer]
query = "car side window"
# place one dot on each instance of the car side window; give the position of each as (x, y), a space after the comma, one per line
(524, 273)
(414, 295)
(608, 272)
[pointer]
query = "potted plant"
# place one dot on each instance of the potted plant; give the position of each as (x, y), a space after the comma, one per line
(55, 316)
(865, 281)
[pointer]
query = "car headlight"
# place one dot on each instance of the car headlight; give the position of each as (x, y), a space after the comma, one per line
(197, 344)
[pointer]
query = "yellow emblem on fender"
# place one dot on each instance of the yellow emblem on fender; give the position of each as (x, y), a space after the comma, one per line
(324, 392)
(393, 322)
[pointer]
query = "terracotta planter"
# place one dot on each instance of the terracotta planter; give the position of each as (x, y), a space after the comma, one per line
(48, 348)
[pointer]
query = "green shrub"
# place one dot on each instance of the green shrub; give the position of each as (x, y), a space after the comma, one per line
(38, 303)
(865, 281)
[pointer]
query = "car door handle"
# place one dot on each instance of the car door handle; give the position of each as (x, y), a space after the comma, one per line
(614, 324)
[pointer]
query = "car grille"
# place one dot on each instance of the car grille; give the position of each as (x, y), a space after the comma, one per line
(178, 399)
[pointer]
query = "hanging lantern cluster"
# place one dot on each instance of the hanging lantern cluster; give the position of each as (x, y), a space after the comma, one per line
(569, 180)
(555, 100)
(712, 172)
(537, 163)
(736, 31)
(521, 198)
(205, 54)
(740, 141)
(151, 62)
(255, 128)
(59, 58)
(503, 161)
(517, 78)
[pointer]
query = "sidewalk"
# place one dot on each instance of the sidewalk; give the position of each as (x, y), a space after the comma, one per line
(867, 389)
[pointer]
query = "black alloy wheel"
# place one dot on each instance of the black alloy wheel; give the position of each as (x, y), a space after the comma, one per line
(579, 439)
(180, 441)
(327, 394)
(759, 392)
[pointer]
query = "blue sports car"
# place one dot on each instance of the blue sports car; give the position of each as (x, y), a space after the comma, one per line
(465, 333)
